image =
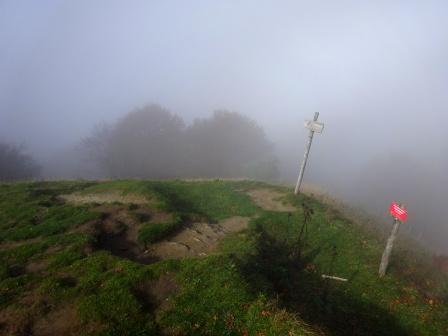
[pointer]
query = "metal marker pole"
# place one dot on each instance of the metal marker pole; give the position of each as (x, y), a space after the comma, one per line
(388, 249)
(305, 157)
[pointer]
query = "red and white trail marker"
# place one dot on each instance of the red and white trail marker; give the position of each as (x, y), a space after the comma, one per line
(400, 215)
(398, 212)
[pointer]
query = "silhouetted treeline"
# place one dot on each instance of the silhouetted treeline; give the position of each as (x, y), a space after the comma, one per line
(151, 142)
(15, 164)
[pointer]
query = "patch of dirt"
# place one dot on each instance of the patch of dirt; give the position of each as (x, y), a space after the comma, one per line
(117, 232)
(13, 244)
(104, 197)
(161, 217)
(61, 321)
(14, 322)
(35, 315)
(234, 224)
(39, 318)
(37, 266)
(117, 229)
(271, 200)
(155, 295)
(197, 239)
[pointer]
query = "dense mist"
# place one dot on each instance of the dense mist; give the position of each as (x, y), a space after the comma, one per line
(77, 76)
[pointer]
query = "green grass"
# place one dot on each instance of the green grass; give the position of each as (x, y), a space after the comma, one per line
(264, 281)
(211, 201)
(152, 232)
(33, 210)
(216, 299)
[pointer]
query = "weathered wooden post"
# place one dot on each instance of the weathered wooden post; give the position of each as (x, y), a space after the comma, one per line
(388, 249)
(313, 126)
(400, 214)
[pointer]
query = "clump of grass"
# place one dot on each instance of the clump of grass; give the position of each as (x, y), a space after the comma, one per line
(21, 254)
(33, 210)
(216, 300)
(152, 232)
(57, 219)
(105, 291)
(64, 258)
(213, 201)
(58, 288)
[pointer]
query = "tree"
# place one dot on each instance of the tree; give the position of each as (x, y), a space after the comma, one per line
(15, 164)
(229, 145)
(153, 143)
(97, 146)
(144, 144)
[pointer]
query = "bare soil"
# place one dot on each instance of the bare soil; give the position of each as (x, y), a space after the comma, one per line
(37, 266)
(35, 315)
(197, 239)
(104, 197)
(14, 323)
(61, 321)
(271, 200)
(13, 244)
(155, 295)
(117, 229)
(117, 232)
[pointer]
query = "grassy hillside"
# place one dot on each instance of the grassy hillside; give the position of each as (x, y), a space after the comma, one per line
(201, 258)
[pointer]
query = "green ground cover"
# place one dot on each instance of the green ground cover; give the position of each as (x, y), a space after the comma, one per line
(263, 280)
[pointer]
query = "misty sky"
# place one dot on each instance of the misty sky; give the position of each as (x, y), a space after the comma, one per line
(377, 71)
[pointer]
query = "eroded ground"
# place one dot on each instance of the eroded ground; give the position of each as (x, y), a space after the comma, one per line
(197, 239)
(117, 230)
(104, 197)
(118, 227)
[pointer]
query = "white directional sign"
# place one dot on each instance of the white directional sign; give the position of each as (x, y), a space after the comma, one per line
(314, 126)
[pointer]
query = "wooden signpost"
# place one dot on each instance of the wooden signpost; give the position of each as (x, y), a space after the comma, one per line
(313, 126)
(399, 213)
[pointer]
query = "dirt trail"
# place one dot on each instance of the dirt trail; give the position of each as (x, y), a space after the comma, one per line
(271, 200)
(104, 197)
(198, 239)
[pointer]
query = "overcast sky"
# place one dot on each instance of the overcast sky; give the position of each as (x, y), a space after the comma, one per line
(377, 71)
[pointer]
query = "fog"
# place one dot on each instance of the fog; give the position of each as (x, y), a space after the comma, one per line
(376, 71)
